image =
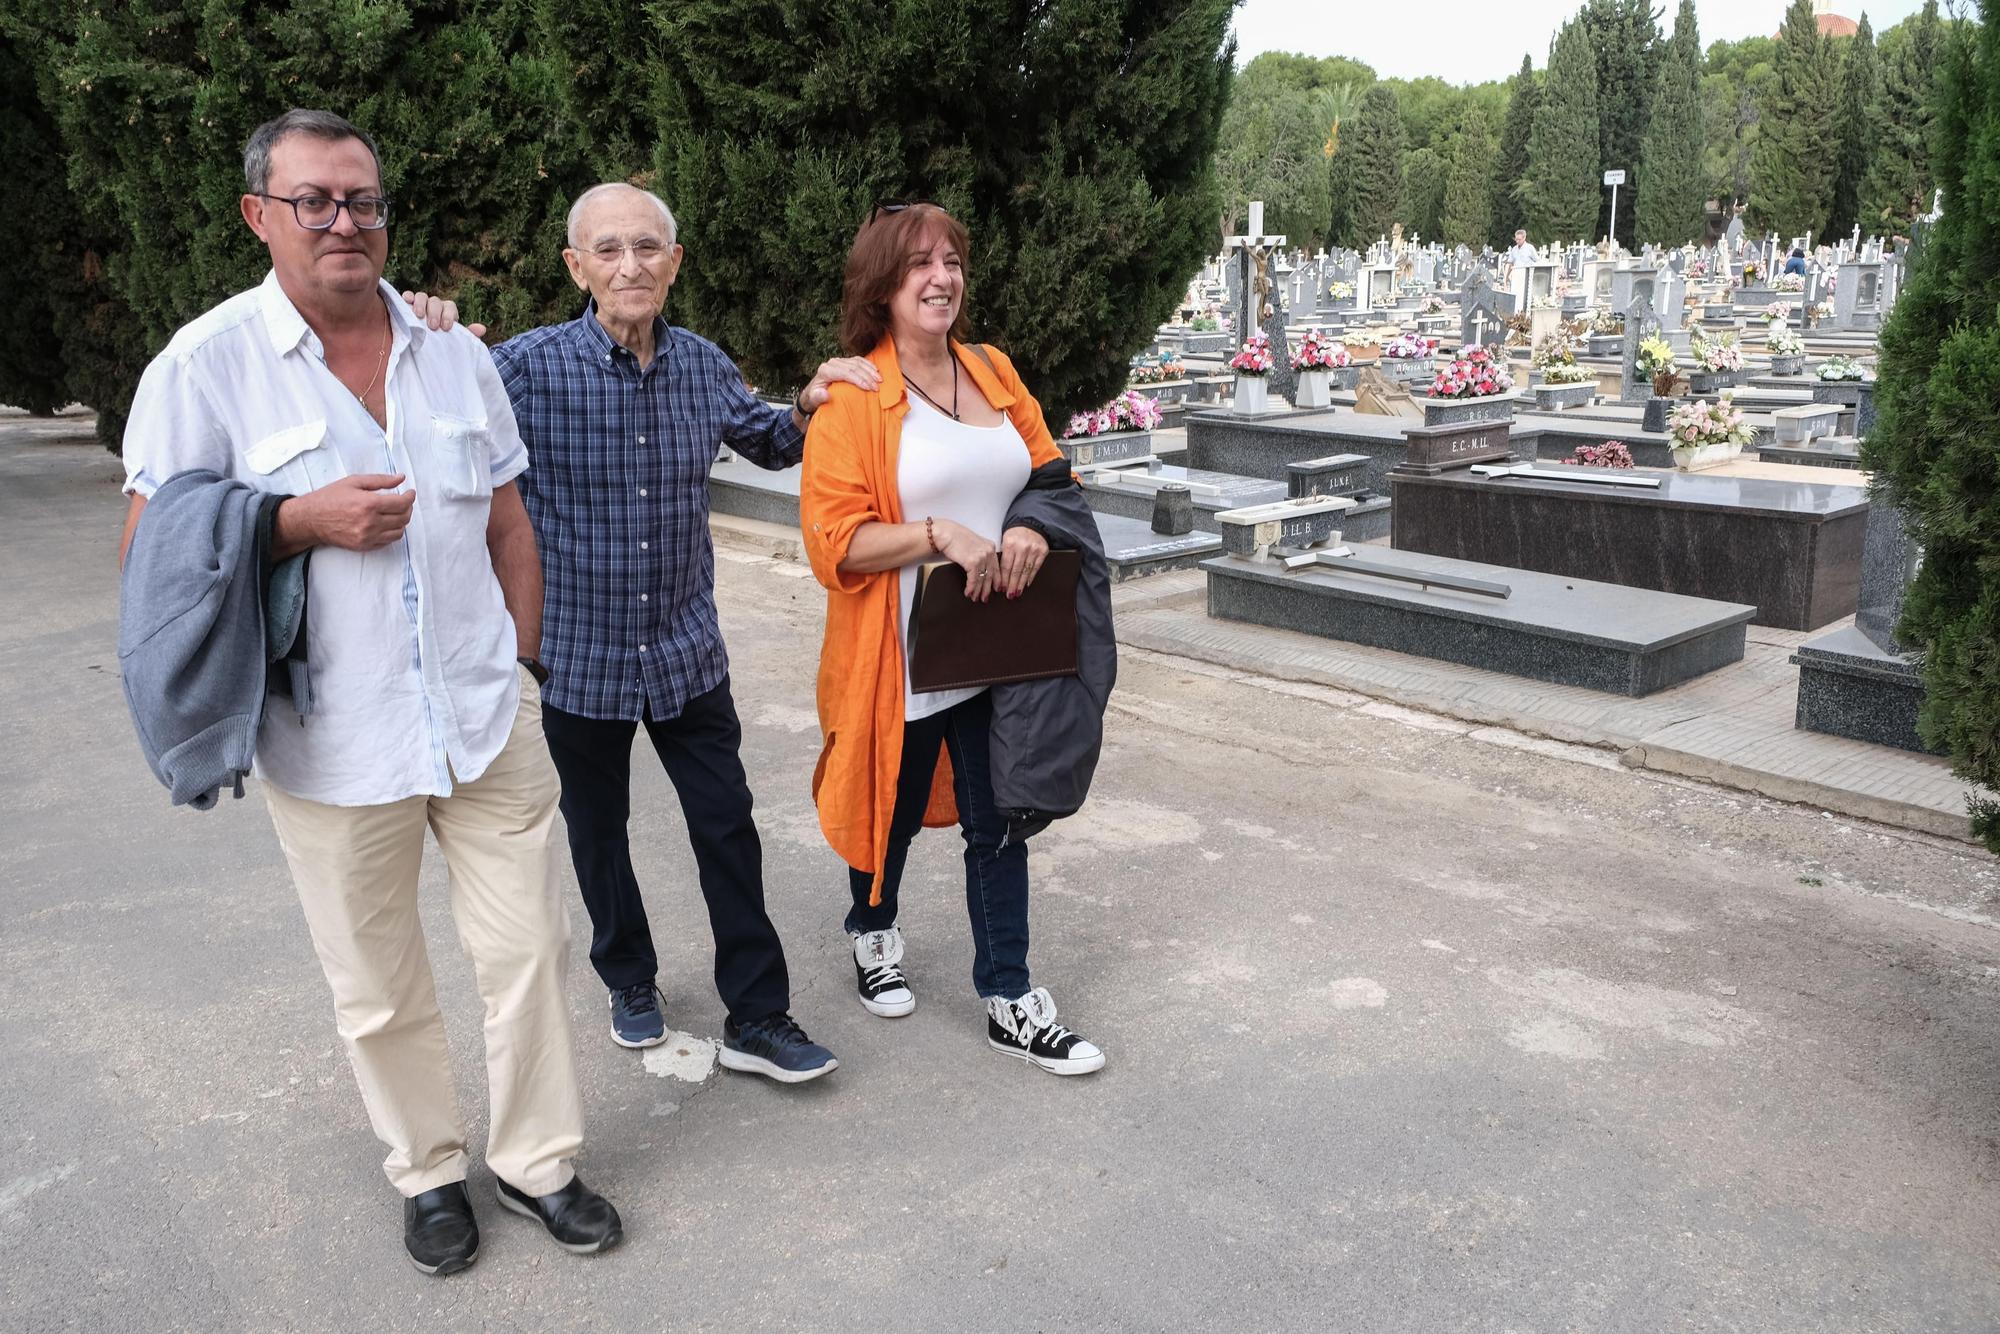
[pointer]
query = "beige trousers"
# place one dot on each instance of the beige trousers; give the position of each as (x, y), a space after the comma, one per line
(356, 871)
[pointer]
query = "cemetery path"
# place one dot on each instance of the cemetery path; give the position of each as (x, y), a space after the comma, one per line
(1413, 1025)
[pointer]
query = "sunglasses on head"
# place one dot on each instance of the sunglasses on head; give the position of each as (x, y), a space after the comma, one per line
(885, 210)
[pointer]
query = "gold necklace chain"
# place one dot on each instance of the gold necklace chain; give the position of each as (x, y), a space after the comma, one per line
(381, 360)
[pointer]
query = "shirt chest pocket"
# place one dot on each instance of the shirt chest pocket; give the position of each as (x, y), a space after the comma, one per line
(463, 450)
(295, 460)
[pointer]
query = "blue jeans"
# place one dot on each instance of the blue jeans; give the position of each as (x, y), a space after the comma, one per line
(996, 868)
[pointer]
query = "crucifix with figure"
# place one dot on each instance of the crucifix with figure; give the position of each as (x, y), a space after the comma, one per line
(1253, 251)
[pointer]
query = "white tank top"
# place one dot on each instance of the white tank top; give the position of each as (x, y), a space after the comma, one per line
(968, 474)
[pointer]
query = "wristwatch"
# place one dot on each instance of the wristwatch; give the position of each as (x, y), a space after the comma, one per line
(535, 669)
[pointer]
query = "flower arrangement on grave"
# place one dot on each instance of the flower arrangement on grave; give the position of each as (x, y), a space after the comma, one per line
(1205, 324)
(1698, 269)
(1317, 351)
(1474, 373)
(1409, 347)
(1778, 312)
(1433, 305)
(1790, 282)
(1821, 310)
(1655, 361)
(1719, 356)
(1360, 338)
(1340, 291)
(1567, 372)
(1785, 342)
(1255, 358)
(1604, 323)
(1127, 412)
(1554, 349)
(1548, 302)
(1520, 329)
(1610, 454)
(1751, 273)
(1693, 425)
(1157, 372)
(1840, 368)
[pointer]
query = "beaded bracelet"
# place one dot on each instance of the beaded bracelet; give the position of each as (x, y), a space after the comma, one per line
(930, 536)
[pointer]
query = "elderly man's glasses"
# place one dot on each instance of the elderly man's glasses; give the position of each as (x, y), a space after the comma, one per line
(646, 252)
(316, 213)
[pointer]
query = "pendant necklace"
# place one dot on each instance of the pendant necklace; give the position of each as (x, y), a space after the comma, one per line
(951, 412)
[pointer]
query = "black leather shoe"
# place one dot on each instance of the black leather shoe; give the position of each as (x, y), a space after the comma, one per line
(578, 1217)
(439, 1230)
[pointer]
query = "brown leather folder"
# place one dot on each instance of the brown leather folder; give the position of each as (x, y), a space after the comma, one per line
(958, 644)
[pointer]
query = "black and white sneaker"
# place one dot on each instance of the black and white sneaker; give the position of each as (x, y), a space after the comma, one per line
(1026, 1027)
(878, 979)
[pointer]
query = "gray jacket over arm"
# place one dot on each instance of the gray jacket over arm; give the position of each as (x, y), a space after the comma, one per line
(197, 643)
(1047, 734)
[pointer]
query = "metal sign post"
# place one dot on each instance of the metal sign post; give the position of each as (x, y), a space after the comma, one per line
(1614, 179)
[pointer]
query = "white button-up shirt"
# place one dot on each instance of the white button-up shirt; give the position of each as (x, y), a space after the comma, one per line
(411, 648)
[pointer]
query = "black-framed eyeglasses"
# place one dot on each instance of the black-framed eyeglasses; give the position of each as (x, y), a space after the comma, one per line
(316, 213)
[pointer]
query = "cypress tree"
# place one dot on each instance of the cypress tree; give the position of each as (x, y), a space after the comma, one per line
(1855, 126)
(1510, 166)
(1468, 191)
(1670, 179)
(1078, 149)
(1937, 436)
(1791, 188)
(1625, 39)
(32, 199)
(1899, 182)
(155, 100)
(1373, 174)
(1563, 180)
(1423, 193)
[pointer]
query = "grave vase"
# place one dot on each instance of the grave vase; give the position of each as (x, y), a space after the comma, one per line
(1253, 394)
(1697, 458)
(1314, 390)
(1604, 345)
(1789, 365)
(1343, 377)
(1703, 383)
(1654, 416)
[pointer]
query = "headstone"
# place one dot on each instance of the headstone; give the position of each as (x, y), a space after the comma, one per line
(1640, 324)
(1479, 317)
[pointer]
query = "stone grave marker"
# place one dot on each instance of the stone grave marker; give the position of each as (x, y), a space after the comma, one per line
(1640, 324)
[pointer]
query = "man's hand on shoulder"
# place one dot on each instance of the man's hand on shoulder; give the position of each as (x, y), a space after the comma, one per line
(857, 371)
(360, 513)
(439, 314)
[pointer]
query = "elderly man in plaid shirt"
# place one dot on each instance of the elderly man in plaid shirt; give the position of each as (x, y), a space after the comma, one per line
(622, 414)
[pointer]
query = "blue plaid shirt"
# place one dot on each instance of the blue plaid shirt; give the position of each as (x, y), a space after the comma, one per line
(617, 487)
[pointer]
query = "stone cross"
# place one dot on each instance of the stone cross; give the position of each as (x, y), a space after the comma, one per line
(1640, 324)
(1253, 248)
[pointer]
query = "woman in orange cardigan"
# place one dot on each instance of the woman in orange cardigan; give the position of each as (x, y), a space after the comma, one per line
(922, 468)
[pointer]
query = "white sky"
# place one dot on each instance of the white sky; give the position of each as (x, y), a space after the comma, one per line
(1471, 41)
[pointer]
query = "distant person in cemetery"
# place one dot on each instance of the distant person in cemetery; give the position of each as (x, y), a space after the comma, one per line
(949, 459)
(1797, 262)
(399, 451)
(1522, 253)
(623, 414)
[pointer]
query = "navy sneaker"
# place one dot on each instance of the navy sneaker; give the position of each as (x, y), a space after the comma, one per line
(636, 1020)
(775, 1047)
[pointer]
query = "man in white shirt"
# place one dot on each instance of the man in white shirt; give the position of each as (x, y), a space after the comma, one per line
(424, 598)
(1519, 257)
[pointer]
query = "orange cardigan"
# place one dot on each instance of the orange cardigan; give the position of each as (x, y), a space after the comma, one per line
(849, 479)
